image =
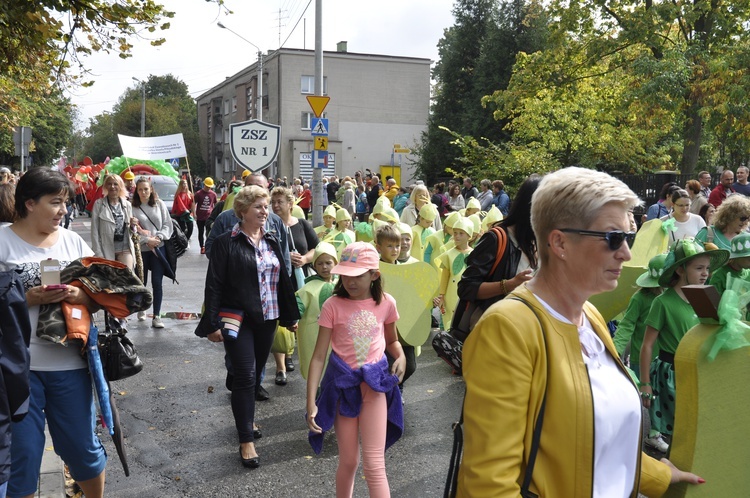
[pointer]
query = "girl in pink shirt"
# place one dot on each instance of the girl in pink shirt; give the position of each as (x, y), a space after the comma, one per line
(359, 397)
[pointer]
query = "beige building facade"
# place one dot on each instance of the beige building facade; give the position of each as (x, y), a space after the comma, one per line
(376, 101)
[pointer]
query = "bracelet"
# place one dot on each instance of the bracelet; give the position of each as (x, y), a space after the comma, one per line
(502, 285)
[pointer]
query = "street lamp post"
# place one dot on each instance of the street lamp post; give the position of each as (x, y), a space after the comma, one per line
(260, 69)
(143, 106)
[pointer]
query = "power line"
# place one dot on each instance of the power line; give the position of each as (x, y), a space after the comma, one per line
(296, 24)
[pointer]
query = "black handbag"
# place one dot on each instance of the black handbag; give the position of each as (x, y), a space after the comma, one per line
(451, 482)
(118, 354)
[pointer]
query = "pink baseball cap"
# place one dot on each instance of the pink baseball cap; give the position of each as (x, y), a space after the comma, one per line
(357, 258)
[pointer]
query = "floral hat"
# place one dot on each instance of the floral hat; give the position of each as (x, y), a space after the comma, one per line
(739, 247)
(655, 269)
(685, 250)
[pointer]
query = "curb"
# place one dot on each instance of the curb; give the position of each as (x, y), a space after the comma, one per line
(52, 474)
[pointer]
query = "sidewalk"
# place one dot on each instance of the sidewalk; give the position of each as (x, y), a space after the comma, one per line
(52, 477)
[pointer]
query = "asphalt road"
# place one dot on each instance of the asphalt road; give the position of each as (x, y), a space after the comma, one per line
(180, 434)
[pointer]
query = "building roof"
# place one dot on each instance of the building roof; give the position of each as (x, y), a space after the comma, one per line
(298, 51)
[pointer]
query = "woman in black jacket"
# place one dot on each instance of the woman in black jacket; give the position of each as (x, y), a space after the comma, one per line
(247, 280)
(518, 262)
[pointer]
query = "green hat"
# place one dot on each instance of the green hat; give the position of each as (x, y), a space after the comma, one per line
(342, 214)
(739, 247)
(330, 211)
(685, 250)
(428, 212)
(493, 216)
(404, 228)
(453, 217)
(473, 204)
(655, 269)
(325, 248)
(466, 225)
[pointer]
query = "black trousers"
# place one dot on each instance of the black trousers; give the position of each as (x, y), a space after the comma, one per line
(248, 354)
(201, 228)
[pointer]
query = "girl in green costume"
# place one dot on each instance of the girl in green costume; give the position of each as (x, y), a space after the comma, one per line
(341, 236)
(422, 230)
(310, 299)
(453, 264)
(671, 316)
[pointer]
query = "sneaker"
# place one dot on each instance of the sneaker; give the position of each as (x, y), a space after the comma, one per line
(157, 323)
(141, 316)
(657, 442)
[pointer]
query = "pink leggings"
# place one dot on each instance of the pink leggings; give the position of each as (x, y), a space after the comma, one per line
(371, 424)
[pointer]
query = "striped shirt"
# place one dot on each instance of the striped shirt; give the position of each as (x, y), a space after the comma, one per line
(268, 274)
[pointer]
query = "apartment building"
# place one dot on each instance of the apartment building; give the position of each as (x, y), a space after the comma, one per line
(376, 101)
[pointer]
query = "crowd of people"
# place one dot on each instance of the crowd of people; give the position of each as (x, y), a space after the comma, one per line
(524, 266)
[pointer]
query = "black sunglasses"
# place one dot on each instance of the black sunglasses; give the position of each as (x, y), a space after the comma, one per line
(614, 239)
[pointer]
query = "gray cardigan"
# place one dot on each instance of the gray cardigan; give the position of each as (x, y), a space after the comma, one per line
(103, 228)
(148, 216)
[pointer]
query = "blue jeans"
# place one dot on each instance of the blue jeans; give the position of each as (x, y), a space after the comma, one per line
(151, 262)
(65, 399)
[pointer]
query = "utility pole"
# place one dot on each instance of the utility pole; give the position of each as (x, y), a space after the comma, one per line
(318, 194)
(143, 105)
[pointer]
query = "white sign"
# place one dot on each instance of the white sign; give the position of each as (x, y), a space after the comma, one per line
(254, 144)
(165, 147)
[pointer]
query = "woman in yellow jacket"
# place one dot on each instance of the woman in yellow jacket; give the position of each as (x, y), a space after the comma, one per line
(590, 444)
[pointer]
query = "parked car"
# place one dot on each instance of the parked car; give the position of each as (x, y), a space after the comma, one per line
(165, 187)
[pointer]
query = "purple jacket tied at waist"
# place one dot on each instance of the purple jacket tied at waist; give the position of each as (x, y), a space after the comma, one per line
(340, 388)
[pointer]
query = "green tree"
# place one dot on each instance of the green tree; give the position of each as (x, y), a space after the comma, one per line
(51, 121)
(477, 55)
(454, 74)
(46, 42)
(169, 110)
(697, 34)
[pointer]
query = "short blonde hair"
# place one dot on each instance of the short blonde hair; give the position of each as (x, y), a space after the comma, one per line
(286, 192)
(247, 196)
(735, 206)
(571, 198)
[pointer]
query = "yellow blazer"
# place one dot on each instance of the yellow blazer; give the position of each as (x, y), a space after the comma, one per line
(506, 367)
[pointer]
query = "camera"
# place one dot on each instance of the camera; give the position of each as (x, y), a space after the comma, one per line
(119, 237)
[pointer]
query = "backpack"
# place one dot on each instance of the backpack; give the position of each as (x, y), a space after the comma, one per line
(449, 345)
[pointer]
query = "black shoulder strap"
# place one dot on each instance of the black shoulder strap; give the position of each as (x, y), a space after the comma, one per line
(157, 227)
(539, 420)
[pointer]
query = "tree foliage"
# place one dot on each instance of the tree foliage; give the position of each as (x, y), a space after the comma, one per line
(671, 52)
(169, 110)
(476, 58)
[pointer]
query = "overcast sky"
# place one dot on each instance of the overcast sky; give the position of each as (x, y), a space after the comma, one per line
(201, 54)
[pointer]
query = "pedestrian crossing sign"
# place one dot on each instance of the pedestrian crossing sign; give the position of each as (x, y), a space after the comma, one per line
(319, 127)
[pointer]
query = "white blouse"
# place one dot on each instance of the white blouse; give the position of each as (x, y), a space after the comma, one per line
(617, 415)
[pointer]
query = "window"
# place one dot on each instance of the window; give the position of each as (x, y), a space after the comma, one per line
(226, 106)
(226, 136)
(307, 118)
(234, 105)
(308, 84)
(250, 101)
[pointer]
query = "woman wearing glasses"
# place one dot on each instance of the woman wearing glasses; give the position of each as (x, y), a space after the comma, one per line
(685, 224)
(730, 220)
(554, 354)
